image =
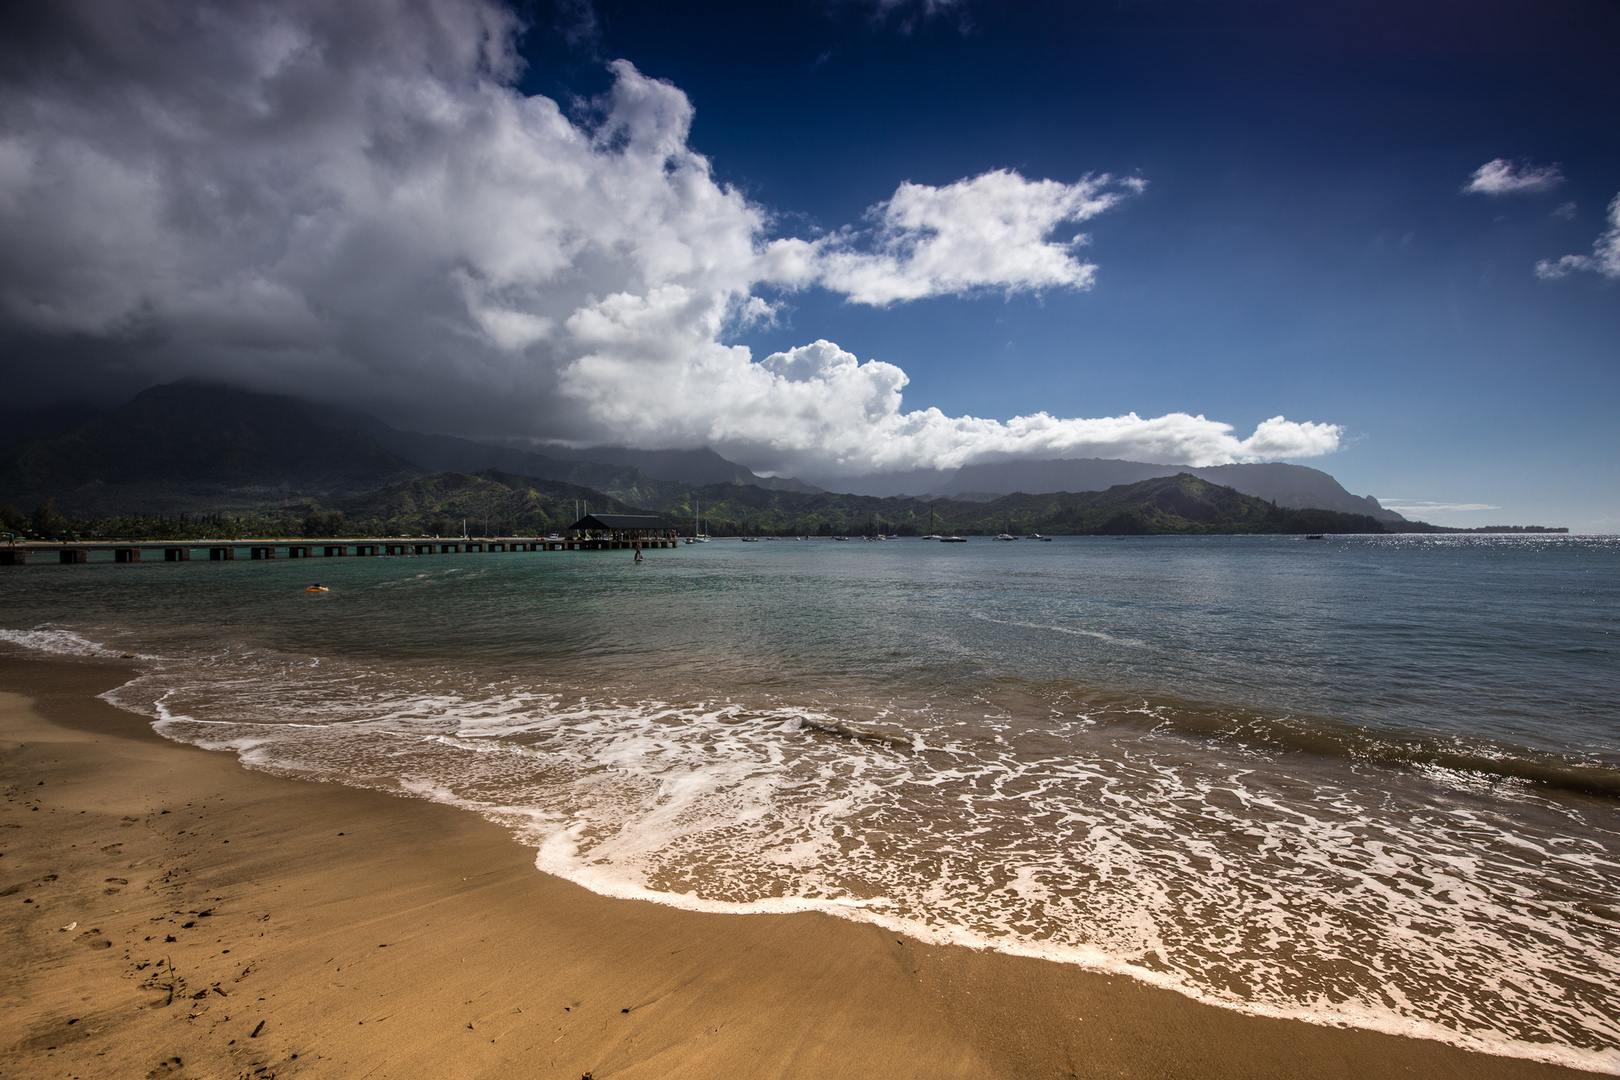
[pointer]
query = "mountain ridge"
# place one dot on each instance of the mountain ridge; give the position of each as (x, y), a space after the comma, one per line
(194, 447)
(497, 503)
(1297, 487)
(603, 467)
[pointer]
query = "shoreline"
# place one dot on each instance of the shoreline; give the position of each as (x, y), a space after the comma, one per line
(370, 931)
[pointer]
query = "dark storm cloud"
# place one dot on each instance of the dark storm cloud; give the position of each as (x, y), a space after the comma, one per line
(353, 202)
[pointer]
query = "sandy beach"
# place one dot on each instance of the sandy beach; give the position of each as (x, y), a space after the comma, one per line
(167, 913)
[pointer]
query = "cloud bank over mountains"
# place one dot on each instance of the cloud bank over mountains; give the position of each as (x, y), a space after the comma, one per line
(352, 202)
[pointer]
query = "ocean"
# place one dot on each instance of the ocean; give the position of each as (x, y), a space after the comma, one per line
(1371, 781)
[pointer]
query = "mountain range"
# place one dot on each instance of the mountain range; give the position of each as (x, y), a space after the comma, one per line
(191, 447)
(500, 503)
(1292, 486)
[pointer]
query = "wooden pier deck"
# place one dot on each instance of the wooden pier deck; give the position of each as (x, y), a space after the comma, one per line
(123, 551)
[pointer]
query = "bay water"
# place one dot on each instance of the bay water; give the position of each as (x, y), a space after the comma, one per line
(1362, 780)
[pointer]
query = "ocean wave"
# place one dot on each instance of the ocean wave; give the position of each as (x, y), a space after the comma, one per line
(63, 643)
(1122, 838)
(1279, 865)
(1452, 760)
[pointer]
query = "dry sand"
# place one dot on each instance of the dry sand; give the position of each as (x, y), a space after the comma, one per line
(167, 913)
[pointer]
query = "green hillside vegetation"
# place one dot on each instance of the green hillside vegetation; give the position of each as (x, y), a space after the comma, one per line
(499, 503)
(626, 485)
(1164, 505)
(1185, 504)
(491, 503)
(192, 460)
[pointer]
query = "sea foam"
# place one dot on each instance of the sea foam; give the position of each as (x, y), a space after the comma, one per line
(1341, 898)
(1376, 799)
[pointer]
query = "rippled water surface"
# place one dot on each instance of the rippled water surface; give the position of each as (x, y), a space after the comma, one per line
(1361, 780)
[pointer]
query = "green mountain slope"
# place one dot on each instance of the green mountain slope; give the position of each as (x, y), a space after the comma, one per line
(1286, 485)
(1170, 504)
(505, 503)
(1188, 504)
(447, 453)
(269, 463)
(499, 503)
(492, 502)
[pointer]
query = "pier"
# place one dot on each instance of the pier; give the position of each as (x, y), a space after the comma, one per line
(604, 532)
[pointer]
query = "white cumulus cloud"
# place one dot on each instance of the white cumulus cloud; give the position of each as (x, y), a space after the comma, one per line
(819, 409)
(1504, 177)
(1605, 257)
(353, 202)
(989, 232)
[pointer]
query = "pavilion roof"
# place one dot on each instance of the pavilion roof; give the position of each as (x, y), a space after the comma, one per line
(619, 522)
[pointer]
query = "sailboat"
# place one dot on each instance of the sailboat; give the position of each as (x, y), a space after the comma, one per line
(1007, 533)
(698, 535)
(932, 535)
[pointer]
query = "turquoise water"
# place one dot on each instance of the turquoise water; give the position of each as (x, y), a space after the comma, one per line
(1361, 780)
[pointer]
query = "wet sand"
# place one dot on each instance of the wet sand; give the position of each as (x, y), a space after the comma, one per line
(226, 923)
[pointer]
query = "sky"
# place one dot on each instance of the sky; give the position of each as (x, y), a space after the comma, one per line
(831, 238)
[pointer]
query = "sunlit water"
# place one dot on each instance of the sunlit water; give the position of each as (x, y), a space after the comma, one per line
(1362, 780)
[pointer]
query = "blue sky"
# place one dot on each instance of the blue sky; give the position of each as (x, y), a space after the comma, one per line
(831, 238)
(1303, 245)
